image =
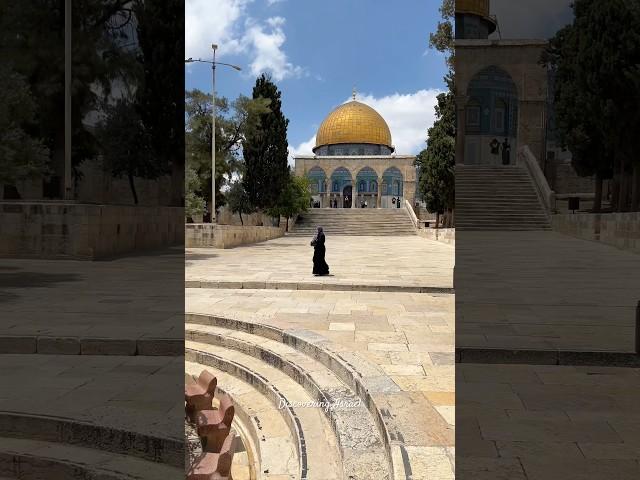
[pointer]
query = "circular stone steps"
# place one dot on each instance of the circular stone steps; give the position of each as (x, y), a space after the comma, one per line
(368, 382)
(316, 444)
(28, 459)
(271, 453)
(361, 448)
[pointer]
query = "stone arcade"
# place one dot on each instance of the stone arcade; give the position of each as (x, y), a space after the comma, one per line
(354, 162)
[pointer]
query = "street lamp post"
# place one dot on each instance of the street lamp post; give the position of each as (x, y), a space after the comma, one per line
(213, 63)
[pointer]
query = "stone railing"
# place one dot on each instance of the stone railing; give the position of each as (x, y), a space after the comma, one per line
(229, 236)
(542, 186)
(412, 214)
(621, 230)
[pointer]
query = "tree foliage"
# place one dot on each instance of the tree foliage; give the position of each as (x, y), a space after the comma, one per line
(595, 62)
(436, 164)
(265, 149)
(294, 198)
(22, 155)
(238, 200)
(32, 46)
(233, 121)
(437, 161)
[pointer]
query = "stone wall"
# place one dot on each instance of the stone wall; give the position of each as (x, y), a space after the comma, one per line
(444, 235)
(621, 230)
(58, 229)
(228, 236)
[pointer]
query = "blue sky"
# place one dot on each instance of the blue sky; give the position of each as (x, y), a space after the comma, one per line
(317, 51)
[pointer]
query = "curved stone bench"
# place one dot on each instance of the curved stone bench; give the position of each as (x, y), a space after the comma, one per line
(362, 450)
(308, 428)
(368, 382)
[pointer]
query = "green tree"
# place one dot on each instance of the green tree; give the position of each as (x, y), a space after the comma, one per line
(436, 164)
(595, 62)
(161, 92)
(233, 121)
(265, 149)
(127, 146)
(193, 203)
(437, 161)
(294, 198)
(238, 200)
(100, 29)
(22, 155)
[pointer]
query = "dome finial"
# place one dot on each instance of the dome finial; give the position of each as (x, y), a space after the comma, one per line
(353, 93)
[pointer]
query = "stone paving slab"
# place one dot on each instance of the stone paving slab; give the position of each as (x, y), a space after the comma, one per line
(72, 306)
(544, 291)
(356, 263)
(547, 421)
(122, 392)
(408, 336)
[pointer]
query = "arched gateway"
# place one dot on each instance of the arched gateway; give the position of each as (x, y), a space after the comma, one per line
(355, 157)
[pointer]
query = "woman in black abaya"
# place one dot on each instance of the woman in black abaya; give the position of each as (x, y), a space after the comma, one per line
(320, 266)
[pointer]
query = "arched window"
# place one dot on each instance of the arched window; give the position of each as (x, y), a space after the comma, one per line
(335, 186)
(374, 186)
(362, 186)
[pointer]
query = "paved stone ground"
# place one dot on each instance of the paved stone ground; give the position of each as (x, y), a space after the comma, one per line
(129, 298)
(409, 335)
(544, 291)
(130, 393)
(285, 262)
(528, 422)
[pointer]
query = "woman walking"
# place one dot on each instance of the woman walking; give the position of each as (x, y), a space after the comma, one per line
(320, 266)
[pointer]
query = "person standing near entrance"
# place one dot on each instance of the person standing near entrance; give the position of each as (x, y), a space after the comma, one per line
(506, 152)
(320, 266)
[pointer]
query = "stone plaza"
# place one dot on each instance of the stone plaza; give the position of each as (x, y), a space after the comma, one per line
(377, 332)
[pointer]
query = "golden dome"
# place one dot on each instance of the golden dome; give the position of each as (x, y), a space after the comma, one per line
(353, 122)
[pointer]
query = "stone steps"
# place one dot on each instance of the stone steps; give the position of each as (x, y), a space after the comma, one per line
(497, 198)
(354, 428)
(364, 221)
(268, 439)
(366, 380)
(38, 459)
(315, 442)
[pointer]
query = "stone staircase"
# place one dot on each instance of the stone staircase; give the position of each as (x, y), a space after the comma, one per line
(262, 365)
(497, 198)
(356, 221)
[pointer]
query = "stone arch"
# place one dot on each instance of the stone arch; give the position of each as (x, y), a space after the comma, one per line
(491, 116)
(318, 179)
(367, 180)
(393, 182)
(511, 71)
(340, 177)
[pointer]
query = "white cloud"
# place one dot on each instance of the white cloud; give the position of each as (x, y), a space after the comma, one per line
(273, 2)
(265, 42)
(226, 23)
(409, 116)
(213, 21)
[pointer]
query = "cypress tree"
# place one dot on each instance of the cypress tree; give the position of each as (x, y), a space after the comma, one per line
(265, 149)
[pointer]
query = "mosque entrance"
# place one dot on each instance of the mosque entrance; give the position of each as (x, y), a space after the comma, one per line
(347, 196)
